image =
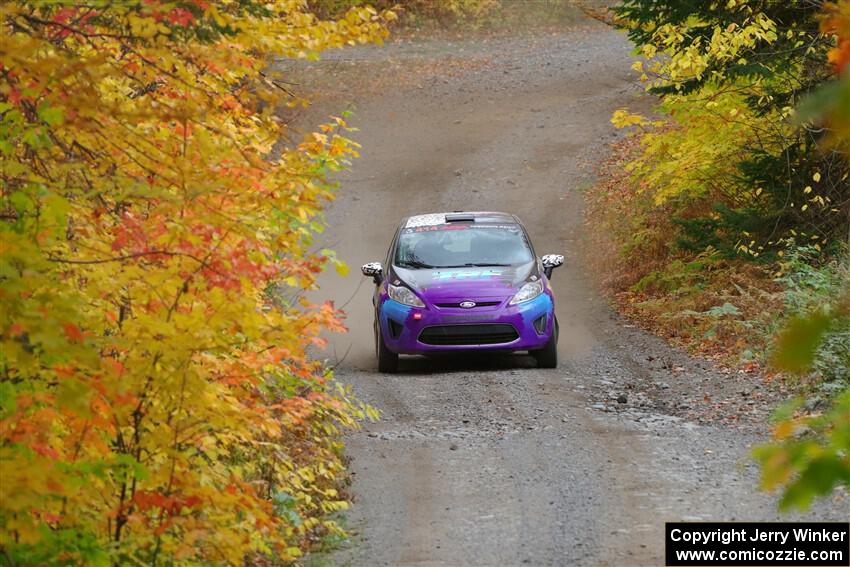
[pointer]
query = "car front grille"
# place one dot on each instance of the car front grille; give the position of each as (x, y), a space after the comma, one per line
(456, 304)
(458, 335)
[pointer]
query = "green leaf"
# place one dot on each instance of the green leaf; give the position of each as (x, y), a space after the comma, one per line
(51, 114)
(35, 138)
(799, 341)
(7, 398)
(74, 395)
(21, 202)
(821, 102)
(818, 479)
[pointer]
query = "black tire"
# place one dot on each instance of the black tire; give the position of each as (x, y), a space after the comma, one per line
(387, 359)
(547, 357)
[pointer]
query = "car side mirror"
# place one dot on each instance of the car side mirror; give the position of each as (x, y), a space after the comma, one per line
(550, 262)
(373, 270)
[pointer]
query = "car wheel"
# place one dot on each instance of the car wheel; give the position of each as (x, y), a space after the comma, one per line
(547, 357)
(387, 359)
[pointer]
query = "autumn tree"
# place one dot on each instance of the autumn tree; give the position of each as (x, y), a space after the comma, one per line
(809, 455)
(735, 73)
(748, 156)
(156, 402)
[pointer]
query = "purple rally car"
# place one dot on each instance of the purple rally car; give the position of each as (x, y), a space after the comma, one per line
(463, 281)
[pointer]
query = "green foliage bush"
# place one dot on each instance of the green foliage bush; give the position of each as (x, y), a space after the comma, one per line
(812, 285)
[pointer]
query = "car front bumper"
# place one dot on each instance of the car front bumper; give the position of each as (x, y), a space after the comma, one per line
(458, 329)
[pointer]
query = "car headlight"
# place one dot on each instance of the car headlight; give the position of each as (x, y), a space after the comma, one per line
(404, 295)
(527, 292)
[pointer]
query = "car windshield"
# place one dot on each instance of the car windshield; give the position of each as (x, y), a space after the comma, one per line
(462, 245)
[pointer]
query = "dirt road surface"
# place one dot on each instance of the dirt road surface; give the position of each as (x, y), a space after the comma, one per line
(490, 461)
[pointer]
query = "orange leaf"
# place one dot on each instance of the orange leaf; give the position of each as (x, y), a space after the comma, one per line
(73, 333)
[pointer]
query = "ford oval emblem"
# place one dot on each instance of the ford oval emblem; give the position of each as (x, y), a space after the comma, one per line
(467, 304)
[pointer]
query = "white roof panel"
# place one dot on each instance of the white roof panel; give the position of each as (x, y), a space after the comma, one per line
(426, 220)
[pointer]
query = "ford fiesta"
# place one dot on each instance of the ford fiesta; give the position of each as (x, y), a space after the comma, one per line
(463, 281)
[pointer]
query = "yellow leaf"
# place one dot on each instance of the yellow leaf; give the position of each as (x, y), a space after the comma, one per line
(342, 268)
(784, 429)
(622, 118)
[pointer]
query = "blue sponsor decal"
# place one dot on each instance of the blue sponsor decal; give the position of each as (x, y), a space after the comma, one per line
(394, 310)
(467, 275)
(531, 310)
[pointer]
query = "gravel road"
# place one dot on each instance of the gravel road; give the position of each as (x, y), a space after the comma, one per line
(490, 461)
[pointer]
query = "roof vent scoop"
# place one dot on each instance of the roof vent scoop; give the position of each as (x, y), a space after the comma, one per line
(460, 217)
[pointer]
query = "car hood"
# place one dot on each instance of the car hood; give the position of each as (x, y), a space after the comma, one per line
(466, 283)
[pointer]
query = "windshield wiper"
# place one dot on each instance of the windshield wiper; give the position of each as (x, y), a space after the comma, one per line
(416, 264)
(476, 265)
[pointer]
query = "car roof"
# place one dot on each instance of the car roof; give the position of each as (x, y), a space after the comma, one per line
(478, 217)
